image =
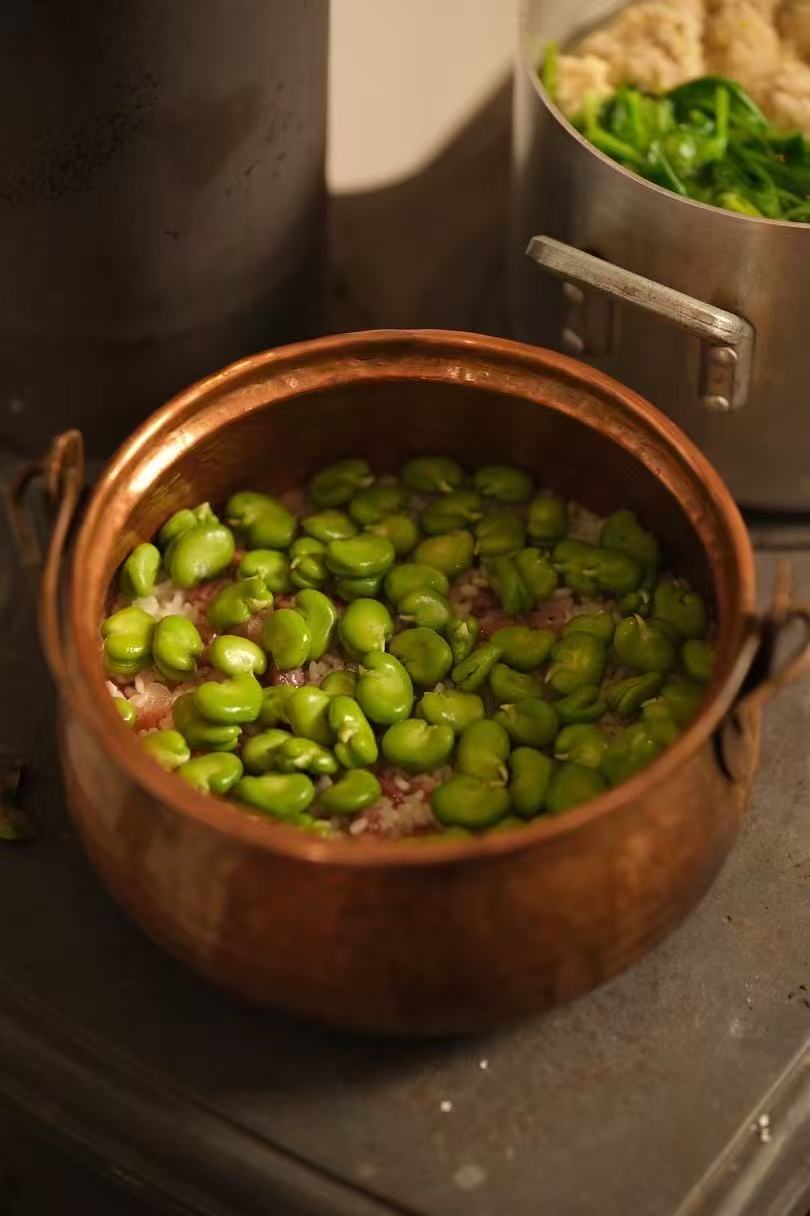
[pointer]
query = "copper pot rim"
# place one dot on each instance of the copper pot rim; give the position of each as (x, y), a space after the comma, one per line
(86, 691)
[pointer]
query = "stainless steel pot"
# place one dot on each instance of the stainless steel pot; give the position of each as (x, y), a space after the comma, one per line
(701, 310)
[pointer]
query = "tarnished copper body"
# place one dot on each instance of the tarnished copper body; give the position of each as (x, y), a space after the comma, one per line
(375, 934)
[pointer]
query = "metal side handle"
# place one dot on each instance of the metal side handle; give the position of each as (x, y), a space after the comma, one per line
(728, 340)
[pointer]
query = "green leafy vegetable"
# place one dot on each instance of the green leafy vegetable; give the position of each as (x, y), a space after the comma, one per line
(706, 140)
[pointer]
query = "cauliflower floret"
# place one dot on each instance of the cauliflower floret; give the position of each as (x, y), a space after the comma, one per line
(578, 75)
(794, 25)
(787, 97)
(742, 43)
(655, 45)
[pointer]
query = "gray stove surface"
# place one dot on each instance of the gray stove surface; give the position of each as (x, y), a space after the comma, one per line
(619, 1103)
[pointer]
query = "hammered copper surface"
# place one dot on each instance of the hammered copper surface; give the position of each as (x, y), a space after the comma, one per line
(379, 935)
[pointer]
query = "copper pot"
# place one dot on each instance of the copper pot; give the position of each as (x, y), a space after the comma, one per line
(374, 935)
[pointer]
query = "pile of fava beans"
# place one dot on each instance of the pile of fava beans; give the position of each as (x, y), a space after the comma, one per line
(463, 633)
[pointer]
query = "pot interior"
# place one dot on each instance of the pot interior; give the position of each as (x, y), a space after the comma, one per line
(264, 426)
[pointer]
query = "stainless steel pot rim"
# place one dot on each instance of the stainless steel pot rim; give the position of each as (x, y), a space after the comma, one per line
(89, 697)
(529, 65)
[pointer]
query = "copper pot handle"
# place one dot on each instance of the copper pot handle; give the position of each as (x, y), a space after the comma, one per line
(759, 672)
(62, 469)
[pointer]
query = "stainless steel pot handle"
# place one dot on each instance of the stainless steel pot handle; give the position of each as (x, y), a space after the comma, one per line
(728, 340)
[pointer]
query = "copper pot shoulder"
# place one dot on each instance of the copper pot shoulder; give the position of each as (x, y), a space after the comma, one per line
(377, 935)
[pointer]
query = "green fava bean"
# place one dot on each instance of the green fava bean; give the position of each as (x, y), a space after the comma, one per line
(304, 755)
(416, 746)
(127, 641)
(427, 608)
(410, 576)
(504, 483)
(237, 656)
(577, 660)
(659, 722)
(462, 634)
(698, 659)
(465, 801)
(683, 609)
(260, 752)
(125, 710)
(599, 624)
(357, 588)
(237, 602)
(384, 690)
(308, 562)
(335, 485)
(271, 566)
(356, 745)
(321, 617)
(425, 655)
(176, 646)
(216, 773)
(617, 571)
(329, 525)
(167, 747)
(307, 712)
(139, 572)
(184, 519)
(371, 505)
(432, 474)
(586, 704)
(400, 530)
(531, 721)
(548, 519)
(201, 552)
(177, 523)
(198, 731)
(629, 753)
(451, 708)
(571, 785)
(264, 521)
(366, 625)
(499, 533)
(483, 749)
(628, 696)
(286, 638)
(508, 686)
(274, 704)
(236, 700)
(622, 530)
(636, 602)
(342, 683)
(451, 553)
(575, 562)
(644, 645)
(355, 791)
(523, 648)
(451, 511)
(281, 795)
(683, 699)
(584, 744)
(514, 595)
(530, 774)
(473, 671)
(509, 824)
(364, 556)
(536, 573)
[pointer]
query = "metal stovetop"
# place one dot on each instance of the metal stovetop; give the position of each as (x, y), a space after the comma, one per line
(621, 1102)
